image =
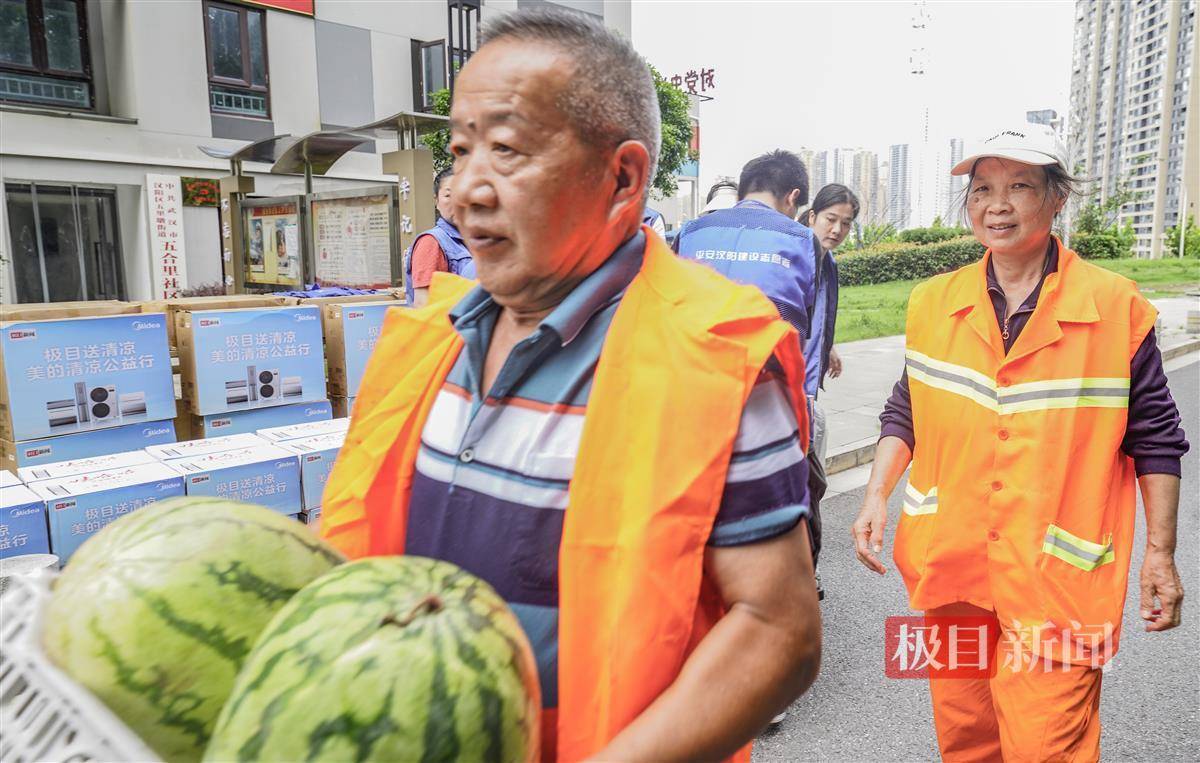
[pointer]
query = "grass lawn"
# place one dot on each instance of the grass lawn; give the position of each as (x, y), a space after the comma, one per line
(865, 312)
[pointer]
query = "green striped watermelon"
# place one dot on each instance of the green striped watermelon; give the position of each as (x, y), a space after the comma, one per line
(157, 612)
(386, 659)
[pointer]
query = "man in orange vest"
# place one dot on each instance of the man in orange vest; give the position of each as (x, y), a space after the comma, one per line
(612, 437)
(1033, 395)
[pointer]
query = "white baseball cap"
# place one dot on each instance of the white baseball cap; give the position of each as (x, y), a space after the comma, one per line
(1029, 143)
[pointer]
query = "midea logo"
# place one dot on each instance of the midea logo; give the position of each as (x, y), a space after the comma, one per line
(143, 325)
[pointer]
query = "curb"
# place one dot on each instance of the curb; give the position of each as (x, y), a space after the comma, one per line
(863, 451)
(1183, 348)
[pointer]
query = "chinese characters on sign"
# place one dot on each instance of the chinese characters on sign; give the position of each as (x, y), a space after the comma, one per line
(72, 361)
(164, 200)
(688, 82)
(259, 346)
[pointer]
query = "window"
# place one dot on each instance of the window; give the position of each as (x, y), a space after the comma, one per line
(65, 242)
(237, 60)
(429, 72)
(44, 56)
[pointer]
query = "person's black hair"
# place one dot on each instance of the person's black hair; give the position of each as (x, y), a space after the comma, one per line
(778, 173)
(439, 178)
(834, 193)
(717, 186)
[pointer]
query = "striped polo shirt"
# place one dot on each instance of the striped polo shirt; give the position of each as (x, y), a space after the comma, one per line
(493, 471)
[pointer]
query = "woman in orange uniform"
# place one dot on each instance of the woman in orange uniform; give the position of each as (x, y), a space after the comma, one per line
(1033, 398)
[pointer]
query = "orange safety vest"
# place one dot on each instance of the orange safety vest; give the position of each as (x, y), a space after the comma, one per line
(686, 345)
(1020, 499)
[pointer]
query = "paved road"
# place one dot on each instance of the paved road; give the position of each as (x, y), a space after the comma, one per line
(1150, 703)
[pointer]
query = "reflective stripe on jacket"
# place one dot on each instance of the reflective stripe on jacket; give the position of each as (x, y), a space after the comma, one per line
(684, 344)
(1020, 499)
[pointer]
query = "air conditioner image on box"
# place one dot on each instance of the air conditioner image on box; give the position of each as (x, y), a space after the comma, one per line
(293, 386)
(132, 404)
(237, 391)
(100, 402)
(62, 413)
(266, 384)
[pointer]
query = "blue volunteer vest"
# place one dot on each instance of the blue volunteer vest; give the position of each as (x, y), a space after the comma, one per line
(451, 242)
(824, 322)
(753, 244)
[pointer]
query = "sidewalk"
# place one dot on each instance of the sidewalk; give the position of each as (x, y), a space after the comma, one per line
(871, 367)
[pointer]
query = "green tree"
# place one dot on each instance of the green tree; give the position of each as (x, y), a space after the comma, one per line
(676, 136)
(1191, 240)
(438, 141)
(673, 154)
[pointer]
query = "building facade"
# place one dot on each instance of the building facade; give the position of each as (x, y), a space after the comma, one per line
(899, 186)
(1131, 95)
(949, 186)
(96, 95)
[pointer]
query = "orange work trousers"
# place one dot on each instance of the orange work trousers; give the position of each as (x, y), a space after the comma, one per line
(1017, 715)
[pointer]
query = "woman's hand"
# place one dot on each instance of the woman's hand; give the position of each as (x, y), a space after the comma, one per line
(867, 531)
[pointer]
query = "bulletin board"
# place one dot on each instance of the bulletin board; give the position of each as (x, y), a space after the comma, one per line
(273, 231)
(354, 237)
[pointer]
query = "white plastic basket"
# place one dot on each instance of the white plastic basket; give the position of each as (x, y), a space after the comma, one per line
(44, 715)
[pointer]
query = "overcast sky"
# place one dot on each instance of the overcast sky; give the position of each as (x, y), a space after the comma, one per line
(836, 74)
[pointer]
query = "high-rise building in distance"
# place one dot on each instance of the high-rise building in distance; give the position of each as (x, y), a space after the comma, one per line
(899, 187)
(1131, 87)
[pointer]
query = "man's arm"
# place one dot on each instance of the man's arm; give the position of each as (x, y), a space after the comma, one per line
(759, 657)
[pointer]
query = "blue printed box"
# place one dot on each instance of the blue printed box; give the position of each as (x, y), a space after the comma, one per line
(23, 527)
(70, 468)
(191, 448)
(261, 474)
(301, 431)
(69, 447)
(237, 360)
(221, 424)
(317, 455)
(82, 374)
(351, 332)
(81, 505)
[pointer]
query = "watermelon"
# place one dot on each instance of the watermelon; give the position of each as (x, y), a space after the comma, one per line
(386, 659)
(156, 613)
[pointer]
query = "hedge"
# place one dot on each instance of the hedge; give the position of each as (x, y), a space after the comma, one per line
(924, 236)
(902, 262)
(1105, 245)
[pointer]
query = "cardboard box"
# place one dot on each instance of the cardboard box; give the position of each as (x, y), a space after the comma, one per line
(204, 447)
(53, 311)
(313, 518)
(48, 450)
(81, 505)
(236, 360)
(23, 528)
(218, 302)
(262, 474)
(107, 462)
(388, 296)
(317, 455)
(8, 479)
(342, 406)
(309, 429)
(219, 424)
(80, 374)
(351, 332)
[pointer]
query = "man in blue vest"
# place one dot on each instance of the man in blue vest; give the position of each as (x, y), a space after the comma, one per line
(758, 241)
(439, 249)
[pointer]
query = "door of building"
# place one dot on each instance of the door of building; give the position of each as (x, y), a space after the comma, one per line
(65, 242)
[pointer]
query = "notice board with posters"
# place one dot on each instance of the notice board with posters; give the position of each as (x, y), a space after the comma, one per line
(354, 237)
(274, 241)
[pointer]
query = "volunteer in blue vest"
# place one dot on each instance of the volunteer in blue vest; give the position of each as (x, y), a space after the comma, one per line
(653, 219)
(833, 211)
(571, 427)
(758, 241)
(1032, 406)
(439, 249)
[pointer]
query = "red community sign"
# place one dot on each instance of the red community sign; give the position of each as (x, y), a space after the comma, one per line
(305, 7)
